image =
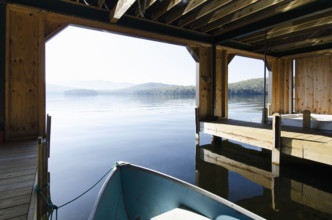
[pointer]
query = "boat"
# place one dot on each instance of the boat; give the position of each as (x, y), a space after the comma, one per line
(136, 193)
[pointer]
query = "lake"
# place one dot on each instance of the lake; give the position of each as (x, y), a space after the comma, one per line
(89, 134)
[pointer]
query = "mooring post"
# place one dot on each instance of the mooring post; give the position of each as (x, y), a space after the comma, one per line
(276, 127)
(197, 125)
(264, 116)
(42, 178)
(306, 120)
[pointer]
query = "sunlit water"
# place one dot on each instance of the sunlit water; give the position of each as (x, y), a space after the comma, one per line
(89, 134)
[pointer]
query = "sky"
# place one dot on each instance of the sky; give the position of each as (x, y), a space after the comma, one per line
(84, 54)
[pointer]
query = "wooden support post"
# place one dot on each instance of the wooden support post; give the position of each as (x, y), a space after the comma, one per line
(276, 126)
(306, 120)
(2, 64)
(197, 125)
(42, 178)
(264, 115)
(275, 190)
(221, 97)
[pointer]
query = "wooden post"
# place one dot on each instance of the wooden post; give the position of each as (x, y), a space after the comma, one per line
(197, 124)
(276, 126)
(264, 116)
(42, 178)
(275, 190)
(2, 64)
(306, 120)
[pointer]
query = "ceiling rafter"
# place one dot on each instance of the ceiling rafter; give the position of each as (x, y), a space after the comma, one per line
(165, 7)
(224, 11)
(149, 3)
(241, 14)
(185, 9)
(206, 9)
(120, 9)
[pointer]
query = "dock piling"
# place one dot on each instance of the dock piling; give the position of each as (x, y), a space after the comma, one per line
(276, 127)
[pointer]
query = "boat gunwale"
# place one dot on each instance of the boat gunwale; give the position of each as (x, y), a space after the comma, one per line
(176, 180)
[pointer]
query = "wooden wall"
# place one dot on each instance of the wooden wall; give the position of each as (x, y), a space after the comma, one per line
(313, 80)
(282, 75)
(25, 77)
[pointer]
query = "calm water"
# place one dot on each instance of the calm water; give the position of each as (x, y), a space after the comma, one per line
(89, 134)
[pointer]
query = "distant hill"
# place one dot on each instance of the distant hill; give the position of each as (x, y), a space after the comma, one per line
(247, 87)
(242, 88)
(60, 87)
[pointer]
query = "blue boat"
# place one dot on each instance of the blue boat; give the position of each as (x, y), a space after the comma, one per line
(136, 193)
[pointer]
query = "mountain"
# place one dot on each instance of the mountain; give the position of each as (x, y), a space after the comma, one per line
(60, 87)
(135, 88)
(247, 87)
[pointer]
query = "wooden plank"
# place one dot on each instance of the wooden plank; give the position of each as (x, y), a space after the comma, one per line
(242, 13)
(14, 201)
(254, 18)
(25, 97)
(205, 83)
(206, 9)
(14, 211)
(228, 9)
(149, 3)
(16, 186)
(15, 192)
(165, 7)
(183, 10)
(118, 11)
(11, 174)
(52, 28)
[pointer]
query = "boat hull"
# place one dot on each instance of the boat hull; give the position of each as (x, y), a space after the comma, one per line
(133, 192)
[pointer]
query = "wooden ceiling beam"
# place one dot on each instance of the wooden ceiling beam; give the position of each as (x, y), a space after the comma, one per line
(206, 9)
(185, 9)
(307, 38)
(270, 13)
(165, 7)
(120, 9)
(101, 3)
(240, 14)
(285, 13)
(149, 3)
(227, 10)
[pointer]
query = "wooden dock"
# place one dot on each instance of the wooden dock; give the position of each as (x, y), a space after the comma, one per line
(18, 167)
(311, 145)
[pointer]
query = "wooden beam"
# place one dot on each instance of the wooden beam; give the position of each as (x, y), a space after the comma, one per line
(205, 84)
(210, 7)
(2, 63)
(221, 98)
(165, 7)
(184, 10)
(273, 17)
(240, 14)
(121, 7)
(149, 3)
(101, 3)
(52, 28)
(227, 10)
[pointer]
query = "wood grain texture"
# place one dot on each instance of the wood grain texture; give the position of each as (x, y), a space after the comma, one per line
(25, 78)
(313, 84)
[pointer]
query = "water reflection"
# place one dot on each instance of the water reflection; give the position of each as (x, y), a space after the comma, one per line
(302, 191)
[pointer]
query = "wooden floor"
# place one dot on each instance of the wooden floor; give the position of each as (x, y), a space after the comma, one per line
(311, 145)
(18, 166)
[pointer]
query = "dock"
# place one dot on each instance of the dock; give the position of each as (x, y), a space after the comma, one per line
(306, 144)
(18, 168)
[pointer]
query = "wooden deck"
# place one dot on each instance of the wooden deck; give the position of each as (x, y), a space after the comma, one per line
(311, 145)
(18, 166)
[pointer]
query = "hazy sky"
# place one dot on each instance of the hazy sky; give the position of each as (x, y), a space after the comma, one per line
(85, 54)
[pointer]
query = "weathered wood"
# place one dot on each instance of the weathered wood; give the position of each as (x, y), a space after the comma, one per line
(25, 77)
(165, 7)
(228, 9)
(205, 84)
(313, 83)
(306, 120)
(184, 10)
(276, 126)
(206, 9)
(221, 97)
(315, 146)
(42, 178)
(118, 11)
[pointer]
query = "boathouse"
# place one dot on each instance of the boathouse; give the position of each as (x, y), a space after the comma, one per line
(293, 37)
